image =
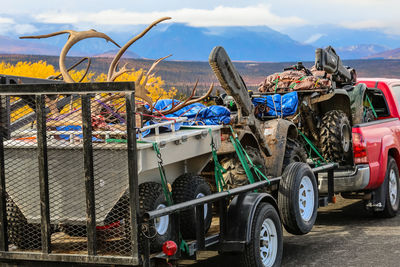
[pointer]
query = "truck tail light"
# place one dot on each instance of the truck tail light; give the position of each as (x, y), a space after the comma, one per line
(359, 149)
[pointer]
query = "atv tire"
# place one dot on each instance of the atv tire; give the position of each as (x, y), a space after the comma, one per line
(151, 197)
(368, 115)
(188, 187)
(21, 233)
(335, 136)
(294, 152)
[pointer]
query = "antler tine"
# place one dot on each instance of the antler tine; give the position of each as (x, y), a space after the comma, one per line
(118, 56)
(73, 38)
(155, 63)
(121, 71)
(52, 77)
(189, 100)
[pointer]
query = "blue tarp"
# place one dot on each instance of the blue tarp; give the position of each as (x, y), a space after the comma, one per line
(196, 113)
(277, 104)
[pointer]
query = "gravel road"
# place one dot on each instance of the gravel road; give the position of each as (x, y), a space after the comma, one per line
(344, 235)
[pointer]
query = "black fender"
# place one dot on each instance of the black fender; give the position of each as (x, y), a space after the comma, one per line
(240, 217)
(338, 99)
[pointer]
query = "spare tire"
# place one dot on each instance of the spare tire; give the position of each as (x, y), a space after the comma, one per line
(335, 136)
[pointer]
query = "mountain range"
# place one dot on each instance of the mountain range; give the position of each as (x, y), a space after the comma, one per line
(255, 43)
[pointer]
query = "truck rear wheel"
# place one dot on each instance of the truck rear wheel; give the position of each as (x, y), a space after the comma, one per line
(21, 233)
(298, 198)
(266, 245)
(335, 136)
(187, 187)
(151, 197)
(392, 189)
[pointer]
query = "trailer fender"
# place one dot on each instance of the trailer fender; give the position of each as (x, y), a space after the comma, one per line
(276, 132)
(240, 217)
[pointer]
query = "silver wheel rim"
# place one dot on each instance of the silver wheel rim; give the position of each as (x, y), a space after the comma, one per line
(199, 195)
(268, 243)
(161, 224)
(393, 188)
(306, 198)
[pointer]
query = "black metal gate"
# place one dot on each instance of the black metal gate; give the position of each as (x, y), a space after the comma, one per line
(68, 172)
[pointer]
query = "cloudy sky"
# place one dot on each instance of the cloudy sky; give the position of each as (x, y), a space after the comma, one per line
(20, 16)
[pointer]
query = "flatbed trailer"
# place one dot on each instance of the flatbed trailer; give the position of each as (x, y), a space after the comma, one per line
(69, 215)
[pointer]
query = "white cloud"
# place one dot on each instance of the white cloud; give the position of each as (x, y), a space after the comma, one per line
(24, 28)
(219, 16)
(6, 20)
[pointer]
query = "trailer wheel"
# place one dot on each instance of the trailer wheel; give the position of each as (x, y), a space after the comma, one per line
(392, 189)
(298, 198)
(335, 136)
(187, 187)
(266, 245)
(294, 152)
(151, 197)
(21, 233)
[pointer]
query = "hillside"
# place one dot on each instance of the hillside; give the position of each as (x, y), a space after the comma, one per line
(183, 74)
(390, 54)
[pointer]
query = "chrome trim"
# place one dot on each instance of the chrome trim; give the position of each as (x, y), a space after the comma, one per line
(346, 181)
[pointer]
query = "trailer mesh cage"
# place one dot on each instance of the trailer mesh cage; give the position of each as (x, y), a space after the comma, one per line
(68, 171)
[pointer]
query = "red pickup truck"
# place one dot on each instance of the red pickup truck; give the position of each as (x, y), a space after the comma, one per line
(376, 145)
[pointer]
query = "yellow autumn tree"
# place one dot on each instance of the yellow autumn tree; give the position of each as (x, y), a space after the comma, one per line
(43, 70)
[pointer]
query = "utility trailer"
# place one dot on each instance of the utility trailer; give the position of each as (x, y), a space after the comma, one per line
(75, 196)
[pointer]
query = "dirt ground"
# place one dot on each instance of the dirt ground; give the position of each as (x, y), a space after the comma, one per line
(344, 235)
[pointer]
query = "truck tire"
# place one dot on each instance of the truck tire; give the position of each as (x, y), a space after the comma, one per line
(187, 187)
(21, 233)
(294, 152)
(151, 197)
(298, 198)
(335, 136)
(266, 243)
(392, 188)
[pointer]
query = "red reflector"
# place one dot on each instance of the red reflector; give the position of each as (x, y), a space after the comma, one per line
(359, 149)
(169, 248)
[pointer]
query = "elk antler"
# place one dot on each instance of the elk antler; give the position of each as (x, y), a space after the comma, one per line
(114, 63)
(73, 38)
(189, 100)
(56, 77)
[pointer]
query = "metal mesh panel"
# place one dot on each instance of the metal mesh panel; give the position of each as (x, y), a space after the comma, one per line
(66, 175)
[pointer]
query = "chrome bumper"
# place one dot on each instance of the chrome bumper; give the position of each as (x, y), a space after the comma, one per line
(346, 181)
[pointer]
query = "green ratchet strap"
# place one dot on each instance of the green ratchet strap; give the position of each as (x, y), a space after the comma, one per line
(218, 169)
(312, 148)
(296, 82)
(245, 160)
(370, 104)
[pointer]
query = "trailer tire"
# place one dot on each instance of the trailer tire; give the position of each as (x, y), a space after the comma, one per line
(298, 198)
(151, 197)
(21, 233)
(187, 187)
(294, 152)
(335, 136)
(392, 184)
(267, 251)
